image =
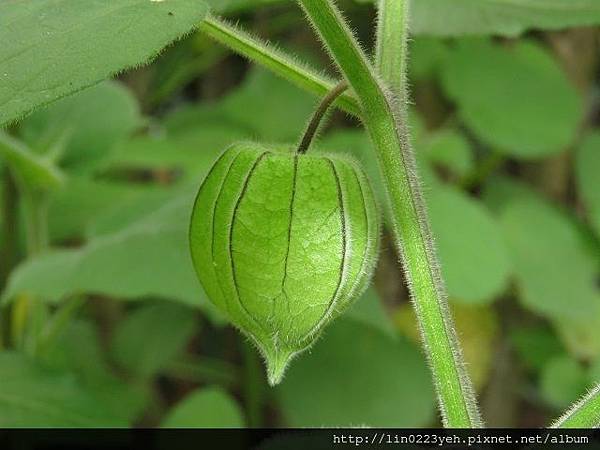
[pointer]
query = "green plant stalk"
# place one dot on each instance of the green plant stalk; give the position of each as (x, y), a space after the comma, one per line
(275, 60)
(410, 224)
(583, 414)
(391, 52)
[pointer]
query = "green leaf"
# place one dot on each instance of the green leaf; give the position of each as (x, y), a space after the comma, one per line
(31, 396)
(587, 168)
(188, 154)
(77, 349)
(535, 345)
(357, 376)
(76, 208)
(555, 271)
(261, 90)
(502, 17)
(209, 407)
(84, 126)
(450, 150)
(426, 57)
(369, 310)
(563, 380)
(515, 99)
(151, 336)
(30, 169)
(148, 258)
(53, 48)
(237, 6)
(474, 258)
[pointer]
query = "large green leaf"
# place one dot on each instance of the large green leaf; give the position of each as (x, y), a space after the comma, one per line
(148, 338)
(503, 17)
(357, 376)
(515, 99)
(148, 258)
(52, 48)
(31, 396)
(205, 408)
(587, 170)
(82, 129)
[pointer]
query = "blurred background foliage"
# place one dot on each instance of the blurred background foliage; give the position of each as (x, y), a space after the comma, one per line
(110, 327)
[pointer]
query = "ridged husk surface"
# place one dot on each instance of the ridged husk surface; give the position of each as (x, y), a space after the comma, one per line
(282, 243)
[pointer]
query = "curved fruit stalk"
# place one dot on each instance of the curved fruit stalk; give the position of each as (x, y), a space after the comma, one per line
(282, 243)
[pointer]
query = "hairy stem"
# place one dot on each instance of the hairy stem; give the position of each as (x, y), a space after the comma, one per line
(315, 122)
(391, 55)
(583, 414)
(275, 60)
(410, 224)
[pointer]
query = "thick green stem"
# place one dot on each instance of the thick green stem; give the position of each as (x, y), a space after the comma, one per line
(391, 55)
(276, 61)
(583, 414)
(410, 224)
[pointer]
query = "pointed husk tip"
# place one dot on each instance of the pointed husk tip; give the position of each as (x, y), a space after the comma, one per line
(277, 362)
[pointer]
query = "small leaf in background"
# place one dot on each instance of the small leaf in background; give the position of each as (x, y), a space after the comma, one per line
(53, 48)
(594, 372)
(563, 381)
(477, 327)
(450, 150)
(555, 272)
(580, 336)
(535, 345)
(369, 310)
(515, 99)
(261, 91)
(501, 17)
(77, 206)
(426, 57)
(351, 378)
(31, 396)
(151, 336)
(209, 407)
(149, 258)
(77, 349)
(587, 171)
(473, 255)
(188, 155)
(87, 125)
